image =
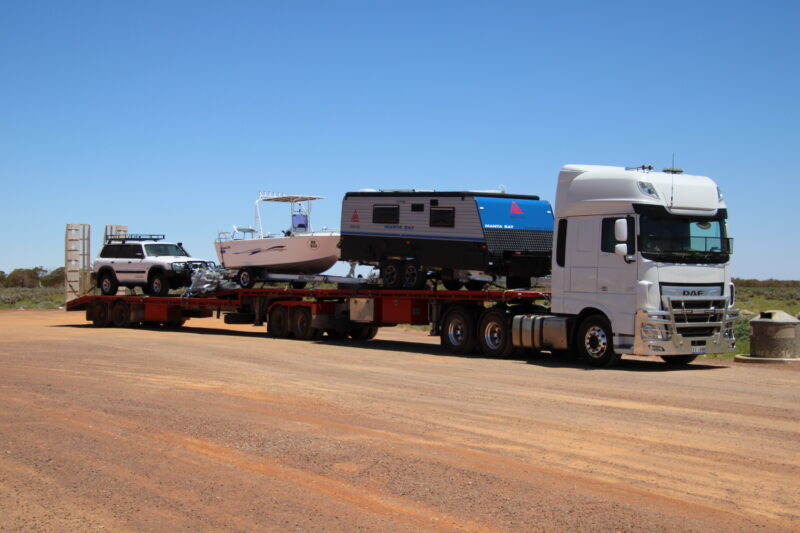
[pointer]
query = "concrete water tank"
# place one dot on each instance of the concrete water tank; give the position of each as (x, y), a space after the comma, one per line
(774, 338)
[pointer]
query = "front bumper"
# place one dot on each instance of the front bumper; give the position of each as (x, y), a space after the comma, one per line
(688, 327)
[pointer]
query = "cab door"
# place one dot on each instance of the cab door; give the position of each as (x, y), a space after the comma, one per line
(617, 275)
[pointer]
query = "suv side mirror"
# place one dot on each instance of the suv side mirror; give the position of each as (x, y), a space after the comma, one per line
(620, 232)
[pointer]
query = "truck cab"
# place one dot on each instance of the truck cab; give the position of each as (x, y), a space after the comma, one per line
(641, 263)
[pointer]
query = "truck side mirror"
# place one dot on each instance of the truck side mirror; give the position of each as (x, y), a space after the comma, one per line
(621, 249)
(620, 231)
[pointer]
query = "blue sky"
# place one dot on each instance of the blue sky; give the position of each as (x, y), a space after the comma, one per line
(171, 116)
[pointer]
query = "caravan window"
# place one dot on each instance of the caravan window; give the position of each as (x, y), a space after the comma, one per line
(443, 217)
(386, 214)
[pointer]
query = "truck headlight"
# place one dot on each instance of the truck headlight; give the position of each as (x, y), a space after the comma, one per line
(653, 332)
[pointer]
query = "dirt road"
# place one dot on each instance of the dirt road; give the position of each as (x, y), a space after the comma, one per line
(217, 428)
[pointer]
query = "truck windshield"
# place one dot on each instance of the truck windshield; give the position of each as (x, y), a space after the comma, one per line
(685, 240)
(164, 249)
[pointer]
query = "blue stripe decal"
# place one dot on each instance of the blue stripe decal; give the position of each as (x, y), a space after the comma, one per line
(411, 236)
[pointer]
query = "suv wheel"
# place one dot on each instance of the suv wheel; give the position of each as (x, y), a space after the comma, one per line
(157, 285)
(108, 283)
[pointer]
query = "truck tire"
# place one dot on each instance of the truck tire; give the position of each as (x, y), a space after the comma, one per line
(245, 279)
(414, 277)
(301, 323)
(678, 360)
(391, 274)
(458, 330)
(100, 318)
(595, 342)
(364, 333)
(108, 283)
(278, 324)
(157, 284)
(120, 314)
(494, 333)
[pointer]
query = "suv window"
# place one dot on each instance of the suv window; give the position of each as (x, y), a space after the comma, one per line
(155, 250)
(110, 250)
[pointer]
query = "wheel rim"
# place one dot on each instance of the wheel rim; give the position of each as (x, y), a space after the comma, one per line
(493, 336)
(105, 285)
(410, 275)
(302, 324)
(156, 285)
(456, 331)
(595, 342)
(244, 278)
(390, 274)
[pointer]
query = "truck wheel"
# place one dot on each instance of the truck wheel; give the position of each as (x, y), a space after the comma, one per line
(100, 317)
(245, 279)
(121, 314)
(458, 331)
(595, 342)
(278, 324)
(678, 360)
(301, 323)
(108, 283)
(391, 274)
(452, 284)
(494, 334)
(157, 284)
(414, 277)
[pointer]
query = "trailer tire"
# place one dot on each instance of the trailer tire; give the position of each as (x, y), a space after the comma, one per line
(494, 333)
(595, 342)
(518, 282)
(245, 279)
(677, 361)
(301, 323)
(157, 284)
(414, 277)
(278, 324)
(458, 330)
(107, 282)
(120, 314)
(298, 284)
(391, 274)
(100, 318)
(476, 285)
(364, 333)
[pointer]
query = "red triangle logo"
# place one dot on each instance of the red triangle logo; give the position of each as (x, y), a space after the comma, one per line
(355, 218)
(515, 210)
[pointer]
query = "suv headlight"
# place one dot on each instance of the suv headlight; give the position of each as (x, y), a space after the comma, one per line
(178, 266)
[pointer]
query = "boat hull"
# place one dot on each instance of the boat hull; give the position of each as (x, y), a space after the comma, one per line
(309, 253)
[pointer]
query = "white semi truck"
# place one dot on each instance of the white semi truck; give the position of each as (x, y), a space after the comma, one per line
(640, 265)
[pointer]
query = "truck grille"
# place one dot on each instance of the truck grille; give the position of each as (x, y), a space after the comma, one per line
(700, 317)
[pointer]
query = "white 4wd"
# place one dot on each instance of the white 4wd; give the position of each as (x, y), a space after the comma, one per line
(144, 261)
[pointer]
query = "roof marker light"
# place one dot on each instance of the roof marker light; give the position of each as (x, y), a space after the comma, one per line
(647, 188)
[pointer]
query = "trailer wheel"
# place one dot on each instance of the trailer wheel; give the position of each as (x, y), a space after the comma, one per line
(678, 360)
(458, 330)
(476, 285)
(518, 282)
(494, 334)
(157, 284)
(278, 324)
(108, 283)
(298, 284)
(245, 279)
(364, 333)
(452, 284)
(121, 314)
(595, 342)
(301, 323)
(414, 277)
(175, 324)
(391, 274)
(100, 318)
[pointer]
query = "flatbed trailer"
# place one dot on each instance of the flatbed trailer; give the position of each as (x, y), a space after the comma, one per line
(466, 321)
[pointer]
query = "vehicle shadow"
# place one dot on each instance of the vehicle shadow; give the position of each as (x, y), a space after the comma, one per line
(542, 359)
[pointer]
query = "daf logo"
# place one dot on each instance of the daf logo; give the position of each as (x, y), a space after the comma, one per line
(693, 293)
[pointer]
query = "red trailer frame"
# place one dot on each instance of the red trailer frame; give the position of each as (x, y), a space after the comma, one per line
(465, 320)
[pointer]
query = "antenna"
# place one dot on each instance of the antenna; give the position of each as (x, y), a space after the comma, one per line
(672, 185)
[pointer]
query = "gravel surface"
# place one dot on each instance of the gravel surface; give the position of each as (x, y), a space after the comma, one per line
(219, 428)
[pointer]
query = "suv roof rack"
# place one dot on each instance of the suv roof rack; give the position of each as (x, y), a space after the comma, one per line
(134, 237)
